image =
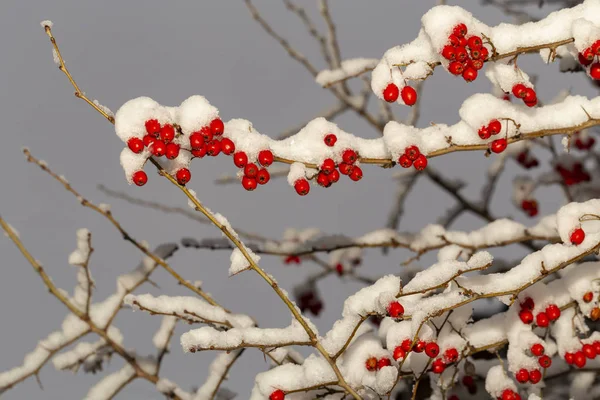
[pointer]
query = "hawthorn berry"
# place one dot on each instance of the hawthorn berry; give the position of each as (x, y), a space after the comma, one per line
(596, 345)
(356, 174)
(349, 156)
(328, 166)
(395, 309)
(249, 183)
(277, 395)
(217, 127)
(167, 133)
(528, 303)
(371, 364)
(494, 127)
(498, 145)
(240, 159)
(419, 346)
(526, 316)
(530, 96)
(265, 158)
(475, 42)
(330, 139)
(469, 74)
(484, 53)
(508, 394)
(334, 176)
(263, 176)
(158, 148)
(583, 57)
(405, 161)
(302, 187)
(250, 170)
(577, 236)
(438, 366)
(596, 48)
(484, 133)
(456, 68)
(477, 64)
(139, 178)
(451, 355)
(468, 380)
(196, 140)
(522, 375)
(399, 353)
(420, 163)
(213, 148)
(595, 314)
(406, 345)
(409, 95)
(459, 30)
(453, 40)
(227, 146)
(207, 133)
(569, 358)
(537, 349)
(535, 376)
(152, 126)
(412, 152)
(588, 297)
(453, 397)
(201, 152)
(136, 145)
(460, 53)
(542, 320)
(323, 179)
(432, 349)
(172, 151)
(148, 140)
(183, 176)
(595, 71)
(553, 312)
(519, 90)
(345, 169)
(579, 359)
(545, 361)
(589, 351)
(391, 93)
(383, 362)
(449, 53)
(339, 268)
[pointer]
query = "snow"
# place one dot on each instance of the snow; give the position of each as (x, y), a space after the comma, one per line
(349, 68)
(47, 23)
(162, 336)
(111, 384)
(218, 369)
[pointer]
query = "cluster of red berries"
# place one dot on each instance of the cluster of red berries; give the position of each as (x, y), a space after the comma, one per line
(253, 174)
(587, 57)
(373, 364)
(509, 394)
(412, 157)
(572, 177)
(466, 54)
(538, 350)
(530, 207)
(491, 129)
(408, 94)
(581, 144)
(528, 94)
(311, 302)
(430, 348)
(277, 395)
(542, 319)
(579, 358)
(524, 376)
(526, 160)
(577, 236)
(439, 365)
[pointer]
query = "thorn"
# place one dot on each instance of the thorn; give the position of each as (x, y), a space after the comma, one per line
(586, 113)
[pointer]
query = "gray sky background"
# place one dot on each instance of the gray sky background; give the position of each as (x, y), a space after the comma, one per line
(170, 50)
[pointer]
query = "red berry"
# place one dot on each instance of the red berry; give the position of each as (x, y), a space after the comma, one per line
(263, 176)
(508, 395)
(183, 176)
(454, 40)
(456, 68)
(159, 148)
(323, 179)
(405, 161)
(545, 361)
(468, 381)
(356, 174)
(217, 127)
(391, 93)
(531, 103)
(432, 349)
(553, 312)
(528, 303)
(409, 95)
(579, 359)
(438, 366)
(412, 152)
(582, 57)
(589, 351)
(383, 362)
(469, 74)
(526, 316)
(449, 53)
(249, 183)
(419, 346)
(484, 133)
(530, 96)
(148, 140)
(474, 42)
(172, 151)
(569, 358)
(302, 187)
(330, 139)
(477, 64)
(522, 375)
(535, 376)
(213, 148)
(334, 176)
(596, 48)
(265, 158)
(494, 127)
(460, 53)
(395, 309)
(596, 345)
(542, 320)
(453, 397)
(399, 352)
(371, 364)
(196, 140)
(588, 297)
(227, 146)
(345, 169)
(519, 90)
(167, 133)
(240, 159)
(339, 268)
(577, 236)
(201, 152)
(451, 355)
(459, 30)
(420, 163)
(484, 53)
(537, 349)
(595, 71)
(250, 170)
(349, 156)
(139, 178)
(498, 145)
(152, 127)
(328, 166)
(207, 133)
(277, 395)
(136, 145)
